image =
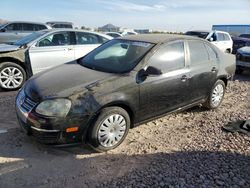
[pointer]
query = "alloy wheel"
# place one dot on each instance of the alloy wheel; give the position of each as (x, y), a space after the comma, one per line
(11, 78)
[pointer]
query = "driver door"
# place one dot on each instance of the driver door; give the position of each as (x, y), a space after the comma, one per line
(168, 91)
(53, 50)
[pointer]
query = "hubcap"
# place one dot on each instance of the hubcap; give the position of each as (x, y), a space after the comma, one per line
(11, 77)
(112, 130)
(217, 95)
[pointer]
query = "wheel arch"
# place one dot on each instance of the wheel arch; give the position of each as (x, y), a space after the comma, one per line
(224, 79)
(13, 60)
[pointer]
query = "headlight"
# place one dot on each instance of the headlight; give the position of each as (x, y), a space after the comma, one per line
(56, 107)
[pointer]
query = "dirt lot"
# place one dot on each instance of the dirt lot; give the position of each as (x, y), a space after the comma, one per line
(187, 149)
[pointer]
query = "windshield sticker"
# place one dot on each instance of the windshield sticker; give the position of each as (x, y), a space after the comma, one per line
(141, 44)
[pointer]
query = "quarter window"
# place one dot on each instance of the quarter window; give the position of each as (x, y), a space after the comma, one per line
(198, 52)
(169, 57)
(86, 38)
(56, 39)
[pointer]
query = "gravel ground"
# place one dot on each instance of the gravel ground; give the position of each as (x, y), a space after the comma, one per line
(187, 149)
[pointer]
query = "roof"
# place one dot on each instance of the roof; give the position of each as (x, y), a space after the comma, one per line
(156, 38)
(25, 22)
(59, 22)
(77, 30)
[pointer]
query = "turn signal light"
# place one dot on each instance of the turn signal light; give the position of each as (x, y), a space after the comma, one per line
(71, 129)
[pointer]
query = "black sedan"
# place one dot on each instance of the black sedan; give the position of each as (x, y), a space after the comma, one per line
(122, 83)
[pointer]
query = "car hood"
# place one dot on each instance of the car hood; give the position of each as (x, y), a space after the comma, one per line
(63, 81)
(8, 48)
(244, 50)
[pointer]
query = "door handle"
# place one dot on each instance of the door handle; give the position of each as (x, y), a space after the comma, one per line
(184, 78)
(70, 49)
(214, 69)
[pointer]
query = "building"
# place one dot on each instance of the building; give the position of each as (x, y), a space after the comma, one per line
(234, 30)
(109, 28)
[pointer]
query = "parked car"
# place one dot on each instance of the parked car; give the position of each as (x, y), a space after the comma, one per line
(122, 83)
(114, 34)
(60, 24)
(43, 50)
(243, 59)
(240, 41)
(220, 39)
(13, 31)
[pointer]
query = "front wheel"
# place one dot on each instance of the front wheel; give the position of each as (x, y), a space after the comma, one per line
(216, 95)
(109, 130)
(12, 76)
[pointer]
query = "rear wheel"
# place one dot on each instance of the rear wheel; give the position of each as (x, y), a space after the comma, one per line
(110, 129)
(12, 76)
(216, 95)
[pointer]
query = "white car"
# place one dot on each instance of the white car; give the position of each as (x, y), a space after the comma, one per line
(220, 39)
(43, 50)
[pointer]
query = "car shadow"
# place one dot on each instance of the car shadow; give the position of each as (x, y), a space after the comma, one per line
(25, 163)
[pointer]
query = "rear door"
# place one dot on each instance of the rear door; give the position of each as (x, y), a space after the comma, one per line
(203, 69)
(53, 50)
(86, 42)
(169, 91)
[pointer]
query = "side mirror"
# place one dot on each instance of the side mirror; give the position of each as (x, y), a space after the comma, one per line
(211, 39)
(153, 71)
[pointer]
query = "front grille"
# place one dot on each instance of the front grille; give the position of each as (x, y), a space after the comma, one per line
(243, 58)
(24, 102)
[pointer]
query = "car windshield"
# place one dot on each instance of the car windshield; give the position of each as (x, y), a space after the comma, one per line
(29, 38)
(245, 35)
(116, 56)
(197, 34)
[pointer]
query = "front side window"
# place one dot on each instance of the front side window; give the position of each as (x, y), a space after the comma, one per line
(55, 39)
(169, 57)
(116, 56)
(14, 27)
(198, 52)
(87, 38)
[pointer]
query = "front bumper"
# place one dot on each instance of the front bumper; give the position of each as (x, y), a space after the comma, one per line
(47, 130)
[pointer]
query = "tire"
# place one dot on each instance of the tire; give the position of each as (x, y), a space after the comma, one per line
(216, 95)
(103, 131)
(12, 76)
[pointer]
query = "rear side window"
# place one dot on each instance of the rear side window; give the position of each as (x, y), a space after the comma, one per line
(226, 37)
(198, 52)
(86, 38)
(169, 57)
(220, 37)
(211, 52)
(28, 27)
(39, 27)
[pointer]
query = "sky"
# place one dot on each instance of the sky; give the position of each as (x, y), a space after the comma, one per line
(170, 15)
